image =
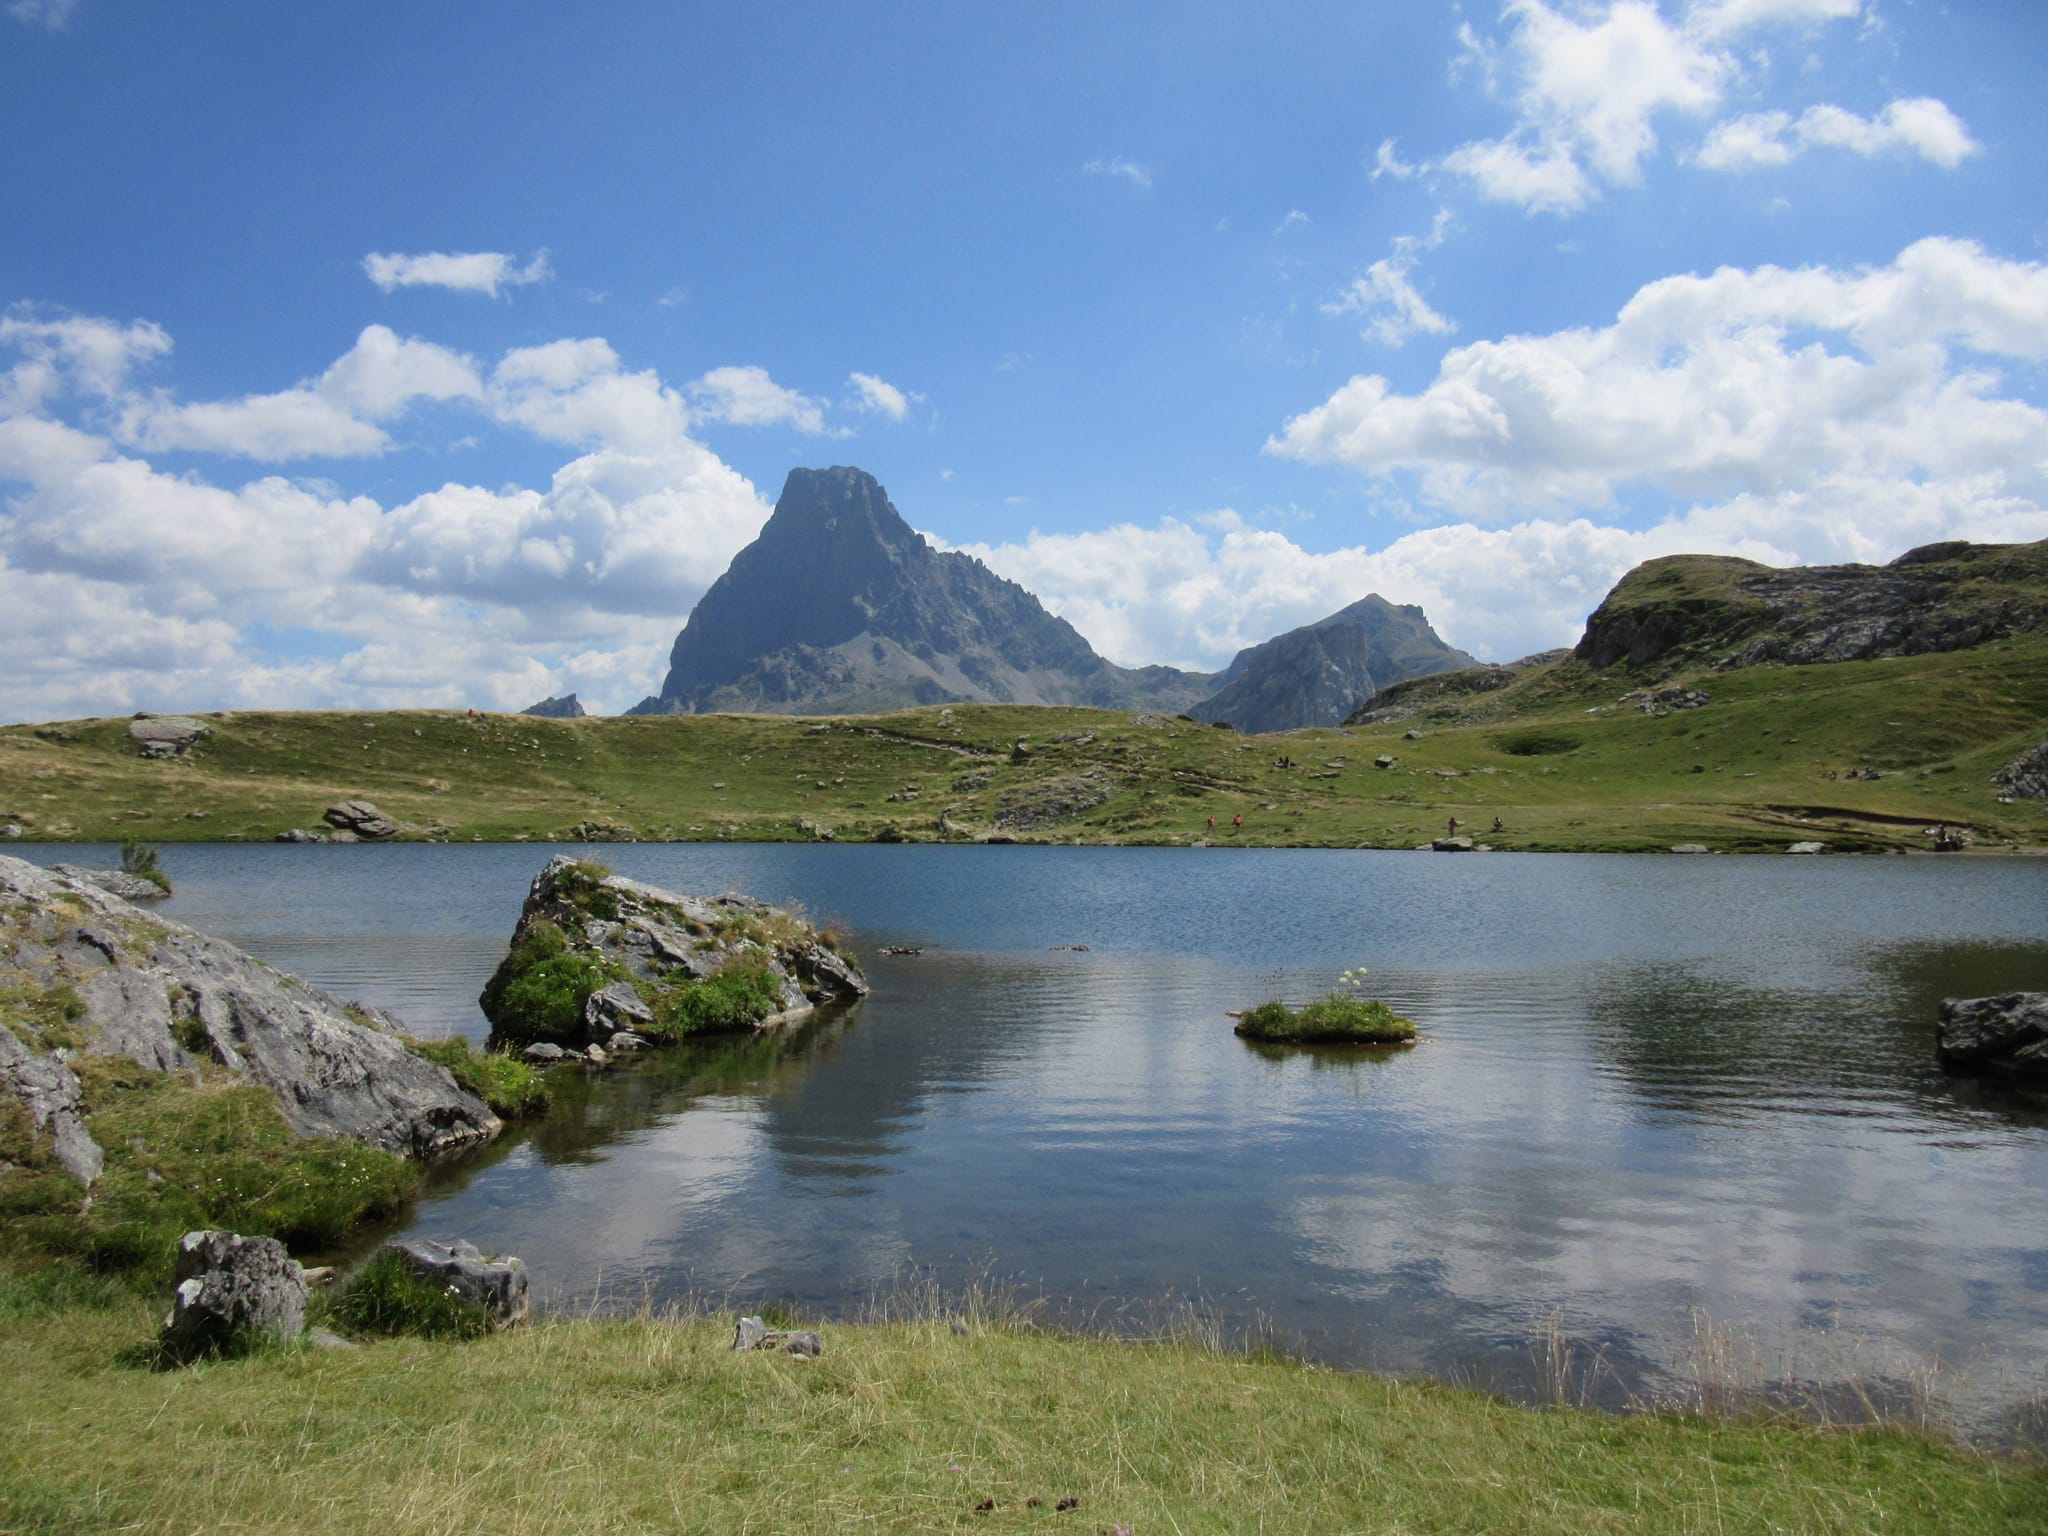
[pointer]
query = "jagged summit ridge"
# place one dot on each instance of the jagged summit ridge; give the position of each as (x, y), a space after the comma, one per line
(840, 606)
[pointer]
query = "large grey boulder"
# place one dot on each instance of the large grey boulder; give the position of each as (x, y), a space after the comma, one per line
(232, 1291)
(169, 999)
(498, 1285)
(2005, 1034)
(361, 818)
(166, 735)
(644, 936)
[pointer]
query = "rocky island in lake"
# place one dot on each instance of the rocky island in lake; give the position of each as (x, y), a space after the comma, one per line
(607, 963)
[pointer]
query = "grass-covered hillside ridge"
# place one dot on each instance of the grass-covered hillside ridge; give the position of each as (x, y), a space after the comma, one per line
(1674, 749)
(596, 955)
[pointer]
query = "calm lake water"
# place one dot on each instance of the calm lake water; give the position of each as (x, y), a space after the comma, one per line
(1654, 1092)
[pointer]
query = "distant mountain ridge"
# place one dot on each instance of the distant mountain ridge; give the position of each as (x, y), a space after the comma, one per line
(839, 606)
(1320, 673)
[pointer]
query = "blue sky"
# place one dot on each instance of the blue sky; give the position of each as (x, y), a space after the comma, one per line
(383, 355)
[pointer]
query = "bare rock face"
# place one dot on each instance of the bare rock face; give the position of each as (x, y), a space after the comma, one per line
(2003, 1034)
(232, 1290)
(633, 944)
(136, 985)
(498, 1285)
(49, 1090)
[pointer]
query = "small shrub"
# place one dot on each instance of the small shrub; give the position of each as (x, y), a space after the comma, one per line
(1539, 744)
(582, 886)
(140, 859)
(387, 1297)
(539, 989)
(737, 996)
(512, 1088)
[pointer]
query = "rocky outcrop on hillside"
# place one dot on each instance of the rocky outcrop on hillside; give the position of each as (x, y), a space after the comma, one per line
(87, 973)
(596, 955)
(1322, 673)
(2026, 776)
(1439, 691)
(841, 607)
(1729, 613)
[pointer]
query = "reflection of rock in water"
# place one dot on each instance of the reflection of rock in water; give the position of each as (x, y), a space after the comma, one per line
(592, 1110)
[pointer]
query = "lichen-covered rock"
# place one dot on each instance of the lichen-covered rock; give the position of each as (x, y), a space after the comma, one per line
(2007, 1033)
(154, 991)
(498, 1285)
(232, 1290)
(597, 954)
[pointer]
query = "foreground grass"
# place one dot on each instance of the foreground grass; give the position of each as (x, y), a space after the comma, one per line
(654, 1425)
(1565, 759)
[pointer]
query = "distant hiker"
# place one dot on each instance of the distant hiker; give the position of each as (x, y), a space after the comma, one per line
(1212, 823)
(1454, 828)
(1237, 821)
(1498, 826)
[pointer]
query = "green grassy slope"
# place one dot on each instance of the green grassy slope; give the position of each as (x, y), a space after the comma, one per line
(1563, 755)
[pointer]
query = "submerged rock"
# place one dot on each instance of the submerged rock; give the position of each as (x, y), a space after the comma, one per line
(118, 981)
(2006, 1034)
(116, 882)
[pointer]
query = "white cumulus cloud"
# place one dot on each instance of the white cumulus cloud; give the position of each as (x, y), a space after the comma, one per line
(748, 397)
(486, 272)
(880, 396)
(1759, 380)
(1918, 126)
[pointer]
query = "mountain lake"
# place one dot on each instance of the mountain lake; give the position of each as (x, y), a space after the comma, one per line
(1674, 1122)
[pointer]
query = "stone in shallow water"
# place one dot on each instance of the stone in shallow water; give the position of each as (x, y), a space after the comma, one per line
(2007, 1033)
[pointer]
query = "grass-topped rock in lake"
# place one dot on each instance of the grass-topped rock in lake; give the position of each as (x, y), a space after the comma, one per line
(1341, 1018)
(596, 955)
